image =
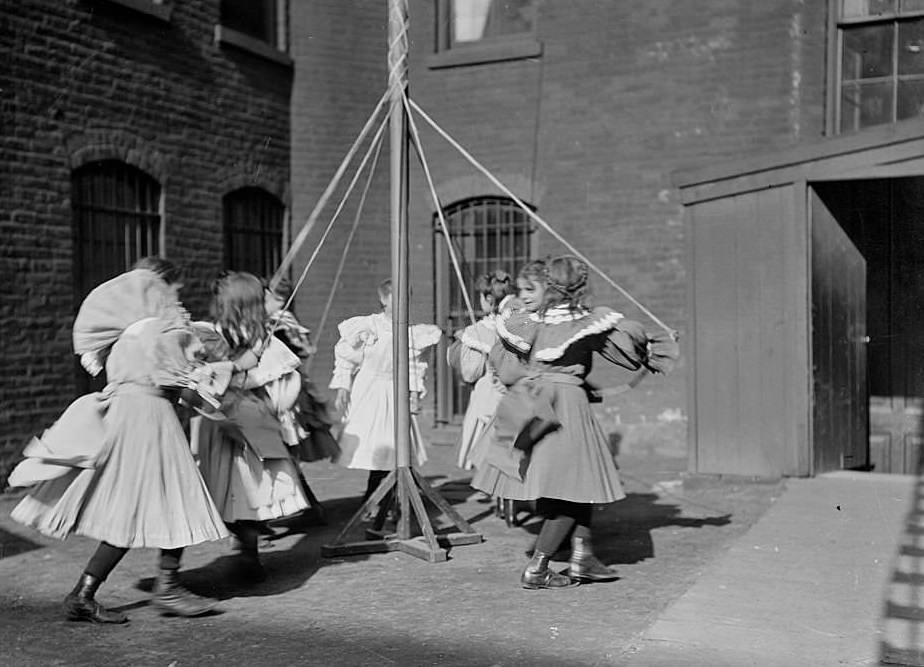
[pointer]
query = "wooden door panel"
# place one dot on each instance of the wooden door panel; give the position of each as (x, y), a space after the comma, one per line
(840, 404)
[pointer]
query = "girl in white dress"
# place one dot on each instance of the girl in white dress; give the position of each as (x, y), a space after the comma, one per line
(469, 356)
(363, 376)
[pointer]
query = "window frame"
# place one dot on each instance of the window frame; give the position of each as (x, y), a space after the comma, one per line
(105, 192)
(451, 393)
(275, 51)
(259, 236)
(497, 48)
(836, 25)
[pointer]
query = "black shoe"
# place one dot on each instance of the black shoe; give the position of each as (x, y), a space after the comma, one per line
(538, 574)
(172, 598)
(80, 605)
(589, 568)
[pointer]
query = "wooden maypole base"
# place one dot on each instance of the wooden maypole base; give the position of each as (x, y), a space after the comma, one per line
(408, 485)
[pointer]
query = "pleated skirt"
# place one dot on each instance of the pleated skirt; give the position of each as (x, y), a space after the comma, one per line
(573, 463)
(244, 486)
(145, 491)
(482, 405)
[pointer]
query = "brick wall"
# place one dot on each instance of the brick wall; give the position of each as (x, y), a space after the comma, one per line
(589, 132)
(86, 80)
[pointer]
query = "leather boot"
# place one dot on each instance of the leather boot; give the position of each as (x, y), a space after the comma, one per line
(172, 598)
(584, 566)
(538, 574)
(80, 605)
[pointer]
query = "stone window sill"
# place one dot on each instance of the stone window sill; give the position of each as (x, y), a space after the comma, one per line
(154, 8)
(486, 52)
(227, 36)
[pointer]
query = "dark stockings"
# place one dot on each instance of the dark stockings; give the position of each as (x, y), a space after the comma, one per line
(561, 516)
(375, 478)
(170, 559)
(248, 534)
(104, 560)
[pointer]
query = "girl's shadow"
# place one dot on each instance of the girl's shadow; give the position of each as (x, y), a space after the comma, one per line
(288, 566)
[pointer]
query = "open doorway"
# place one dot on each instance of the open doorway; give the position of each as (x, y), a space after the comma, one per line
(868, 323)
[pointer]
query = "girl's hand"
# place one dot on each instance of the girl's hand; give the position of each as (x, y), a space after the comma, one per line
(342, 401)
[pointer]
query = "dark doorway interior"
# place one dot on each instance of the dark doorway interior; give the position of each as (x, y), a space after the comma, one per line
(884, 219)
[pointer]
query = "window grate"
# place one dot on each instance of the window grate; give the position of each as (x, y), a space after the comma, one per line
(253, 223)
(488, 233)
(116, 221)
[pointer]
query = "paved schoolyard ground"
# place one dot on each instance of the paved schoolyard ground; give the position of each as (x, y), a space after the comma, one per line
(390, 608)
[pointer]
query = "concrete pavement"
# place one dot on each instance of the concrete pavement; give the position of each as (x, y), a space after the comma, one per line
(807, 585)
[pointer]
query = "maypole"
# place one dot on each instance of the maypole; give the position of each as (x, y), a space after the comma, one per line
(407, 482)
(398, 144)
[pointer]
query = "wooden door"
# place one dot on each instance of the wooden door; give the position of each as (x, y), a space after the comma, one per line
(896, 326)
(840, 403)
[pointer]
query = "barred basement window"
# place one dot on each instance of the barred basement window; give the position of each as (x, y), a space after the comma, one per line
(116, 221)
(254, 223)
(488, 233)
(881, 62)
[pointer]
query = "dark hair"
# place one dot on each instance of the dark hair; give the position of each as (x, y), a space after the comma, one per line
(238, 307)
(494, 287)
(534, 270)
(567, 282)
(167, 270)
(283, 288)
(384, 289)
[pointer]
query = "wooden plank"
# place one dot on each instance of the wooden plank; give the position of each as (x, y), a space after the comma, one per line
(423, 519)
(377, 495)
(716, 353)
(750, 266)
(441, 503)
(796, 361)
(899, 140)
(771, 216)
(688, 341)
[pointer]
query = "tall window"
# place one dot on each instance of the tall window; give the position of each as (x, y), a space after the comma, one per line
(116, 221)
(881, 44)
(488, 233)
(260, 19)
(253, 221)
(463, 22)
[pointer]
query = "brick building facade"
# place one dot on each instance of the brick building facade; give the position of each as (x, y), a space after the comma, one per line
(122, 97)
(585, 117)
(585, 109)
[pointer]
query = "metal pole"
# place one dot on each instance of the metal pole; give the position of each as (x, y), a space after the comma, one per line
(397, 83)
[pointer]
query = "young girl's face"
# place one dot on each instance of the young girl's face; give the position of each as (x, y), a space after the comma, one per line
(273, 302)
(531, 293)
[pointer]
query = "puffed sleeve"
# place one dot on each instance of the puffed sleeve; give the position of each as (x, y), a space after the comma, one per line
(175, 350)
(421, 338)
(355, 333)
(476, 342)
(629, 346)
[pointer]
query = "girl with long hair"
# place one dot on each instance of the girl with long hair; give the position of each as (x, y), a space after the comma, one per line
(242, 452)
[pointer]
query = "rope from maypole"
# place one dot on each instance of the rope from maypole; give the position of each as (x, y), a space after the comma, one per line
(415, 137)
(535, 217)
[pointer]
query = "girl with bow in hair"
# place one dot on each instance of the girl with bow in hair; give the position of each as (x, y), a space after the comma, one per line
(565, 463)
(116, 466)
